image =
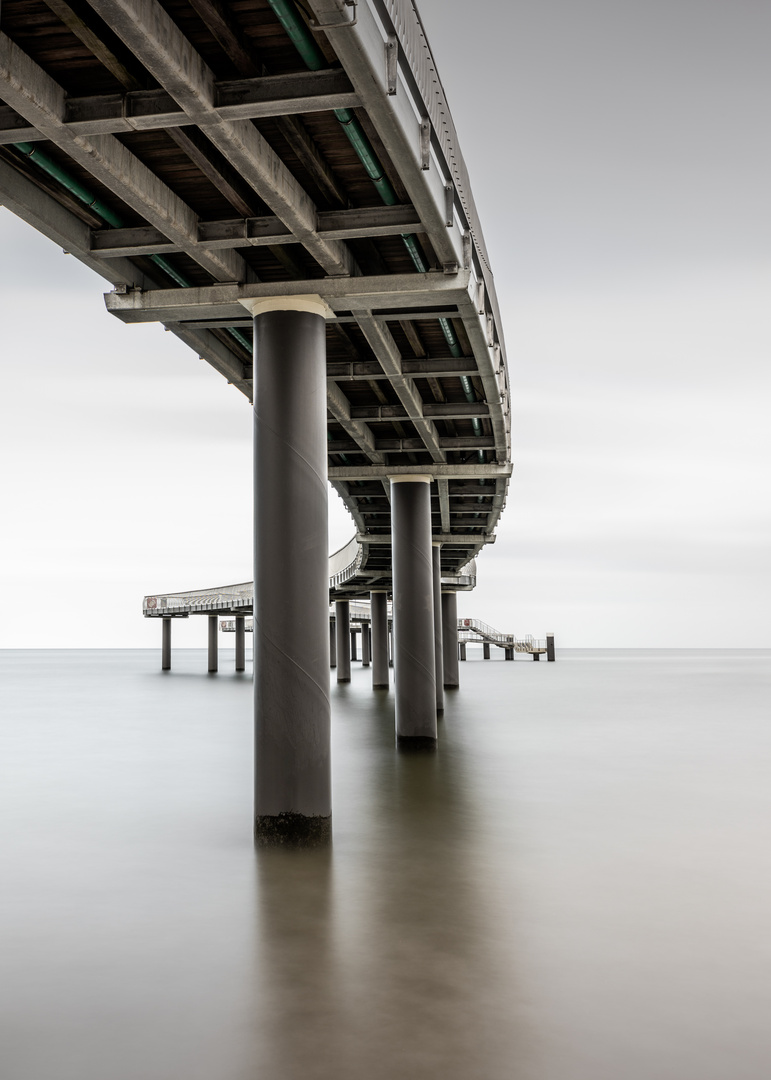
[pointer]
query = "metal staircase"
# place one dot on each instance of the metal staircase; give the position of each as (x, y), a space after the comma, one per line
(476, 631)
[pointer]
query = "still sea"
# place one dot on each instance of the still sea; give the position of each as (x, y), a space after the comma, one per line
(576, 886)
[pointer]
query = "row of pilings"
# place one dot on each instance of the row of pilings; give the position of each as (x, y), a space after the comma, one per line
(293, 803)
(377, 642)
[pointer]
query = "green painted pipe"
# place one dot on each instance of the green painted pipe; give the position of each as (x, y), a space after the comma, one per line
(48, 165)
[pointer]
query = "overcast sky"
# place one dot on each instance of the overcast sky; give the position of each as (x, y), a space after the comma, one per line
(619, 156)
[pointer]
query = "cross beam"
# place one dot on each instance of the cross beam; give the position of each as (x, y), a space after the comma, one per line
(152, 110)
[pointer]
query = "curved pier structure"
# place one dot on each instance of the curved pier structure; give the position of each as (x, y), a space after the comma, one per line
(289, 174)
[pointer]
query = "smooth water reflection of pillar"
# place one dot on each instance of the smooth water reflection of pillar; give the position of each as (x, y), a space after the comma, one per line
(240, 643)
(212, 644)
(413, 610)
(291, 610)
(166, 645)
(450, 640)
(343, 625)
(379, 609)
(436, 554)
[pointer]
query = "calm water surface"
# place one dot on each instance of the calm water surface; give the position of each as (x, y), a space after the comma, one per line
(575, 887)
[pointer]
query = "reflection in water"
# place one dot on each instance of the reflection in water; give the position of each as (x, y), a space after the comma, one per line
(380, 960)
(572, 887)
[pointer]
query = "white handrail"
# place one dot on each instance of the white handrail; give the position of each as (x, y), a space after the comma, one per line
(344, 564)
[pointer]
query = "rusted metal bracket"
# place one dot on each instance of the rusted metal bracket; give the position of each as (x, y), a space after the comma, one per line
(425, 144)
(392, 64)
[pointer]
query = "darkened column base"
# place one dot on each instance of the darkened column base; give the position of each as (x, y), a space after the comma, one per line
(292, 830)
(416, 744)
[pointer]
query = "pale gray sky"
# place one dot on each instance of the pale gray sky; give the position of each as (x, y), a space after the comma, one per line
(620, 162)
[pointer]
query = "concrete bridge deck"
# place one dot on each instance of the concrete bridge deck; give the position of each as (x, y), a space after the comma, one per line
(201, 157)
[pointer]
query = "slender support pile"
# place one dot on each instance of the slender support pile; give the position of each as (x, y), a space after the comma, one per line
(166, 646)
(450, 640)
(343, 632)
(436, 552)
(291, 602)
(213, 644)
(379, 610)
(413, 611)
(240, 643)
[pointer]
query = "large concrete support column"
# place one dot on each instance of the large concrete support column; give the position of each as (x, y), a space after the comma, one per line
(486, 650)
(550, 646)
(343, 625)
(365, 644)
(240, 643)
(213, 643)
(450, 640)
(333, 643)
(413, 610)
(508, 653)
(291, 605)
(462, 650)
(379, 607)
(166, 645)
(354, 653)
(436, 558)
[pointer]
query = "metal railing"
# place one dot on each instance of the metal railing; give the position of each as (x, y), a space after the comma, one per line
(224, 599)
(228, 626)
(474, 630)
(412, 38)
(344, 564)
(411, 35)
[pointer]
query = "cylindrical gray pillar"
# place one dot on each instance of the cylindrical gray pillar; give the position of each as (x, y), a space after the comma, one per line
(486, 650)
(166, 645)
(291, 574)
(508, 653)
(413, 610)
(343, 624)
(436, 562)
(365, 644)
(379, 607)
(354, 653)
(332, 643)
(462, 650)
(450, 640)
(550, 646)
(240, 643)
(212, 643)
(391, 644)
(536, 656)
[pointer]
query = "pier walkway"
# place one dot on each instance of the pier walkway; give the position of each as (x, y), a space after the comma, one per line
(280, 184)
